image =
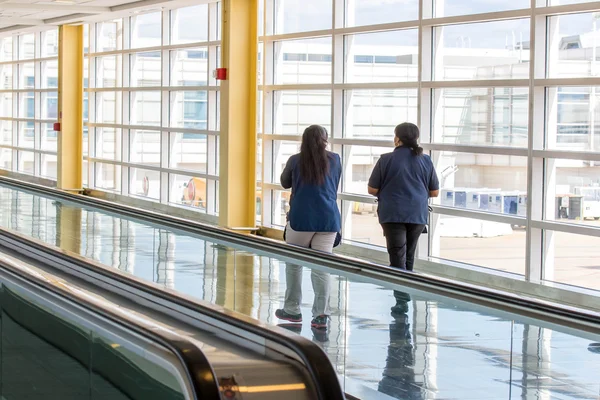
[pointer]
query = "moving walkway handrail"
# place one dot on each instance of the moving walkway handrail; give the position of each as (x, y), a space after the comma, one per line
(312, 356)
(199, 373)
(573, 317)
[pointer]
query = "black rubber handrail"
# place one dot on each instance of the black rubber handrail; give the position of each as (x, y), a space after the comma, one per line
(198, 370)
(577, 318)
(315, 360)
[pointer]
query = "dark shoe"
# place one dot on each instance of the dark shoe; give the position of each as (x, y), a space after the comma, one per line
(594, 348)
(319, 322)
(295, 318)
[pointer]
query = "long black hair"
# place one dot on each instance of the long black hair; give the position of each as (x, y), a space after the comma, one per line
(314, 161)
(409, 134)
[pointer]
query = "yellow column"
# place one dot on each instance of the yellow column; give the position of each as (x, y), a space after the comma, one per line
(237, 175)
(70, 107)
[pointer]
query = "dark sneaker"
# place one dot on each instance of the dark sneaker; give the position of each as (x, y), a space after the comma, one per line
(594, 348)
(295, 318)
(320, 322)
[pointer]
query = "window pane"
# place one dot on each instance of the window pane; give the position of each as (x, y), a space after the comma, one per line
(144, 183)
(573, 118)
(49, 74)
(303, 61)
(145, 147)
(482, 116)
(50, 105)
(188, 191)
(573, 259)
(6, 130)
(189, 24)
(25, 162)
(302, 15)
(189, 109)
(108, 177)
(109, 35)
(145, 108)
(487, 50)
(108, 107)
(48, 166)
(86, 138)
(188, 152)
(6, 105)
(49, 137)
(281, 152)
(6, 159)
(280, 205)
(358, 165)
(108, 143)
(146, 30)
(6, 49)
(573, 191)
(108, 71)
(26, 46)
(26, 105)
(563, 2)
(26, 76)
(189, 67)
(369, 12)
(446, 8)
(6, 76)
(50, 43)
(297, 110)
(26, 134)
(571, 52)
(361, 224)
(484, 182)
(145, 69)
(391, 56)
(482, 243)
(373, 114)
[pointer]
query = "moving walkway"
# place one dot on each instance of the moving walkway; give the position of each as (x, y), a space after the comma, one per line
(454, 339)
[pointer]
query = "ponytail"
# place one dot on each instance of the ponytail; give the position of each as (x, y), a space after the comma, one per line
(408, 134)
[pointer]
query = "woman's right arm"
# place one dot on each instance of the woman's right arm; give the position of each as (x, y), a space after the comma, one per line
(286, 175)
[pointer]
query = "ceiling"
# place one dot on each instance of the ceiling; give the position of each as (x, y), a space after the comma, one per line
(29, 15)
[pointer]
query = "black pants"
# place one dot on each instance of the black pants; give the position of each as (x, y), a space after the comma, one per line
(402, 240)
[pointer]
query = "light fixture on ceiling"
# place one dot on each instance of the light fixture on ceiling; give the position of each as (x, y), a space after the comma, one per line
(63, 1)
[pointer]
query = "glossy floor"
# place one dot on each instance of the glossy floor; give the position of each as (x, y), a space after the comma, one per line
(431, 347)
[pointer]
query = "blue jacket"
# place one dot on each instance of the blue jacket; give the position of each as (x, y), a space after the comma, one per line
(404, 182)
(313, 208)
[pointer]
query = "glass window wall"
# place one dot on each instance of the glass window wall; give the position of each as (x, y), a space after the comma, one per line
(506, 97)
(154, 126)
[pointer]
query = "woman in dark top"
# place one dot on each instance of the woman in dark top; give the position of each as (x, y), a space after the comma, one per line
(403, 182)
(314, 219)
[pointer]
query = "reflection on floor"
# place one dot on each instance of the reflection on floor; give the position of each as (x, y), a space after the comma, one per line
(428, 347)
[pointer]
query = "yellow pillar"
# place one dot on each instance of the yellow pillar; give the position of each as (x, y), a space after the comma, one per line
(237, 175)
(70, 107)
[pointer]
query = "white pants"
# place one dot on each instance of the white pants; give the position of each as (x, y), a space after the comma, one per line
(320, 241)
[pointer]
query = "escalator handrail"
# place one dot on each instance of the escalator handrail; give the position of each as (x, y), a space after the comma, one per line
(314, 358)
(199, 372)
(578, 318)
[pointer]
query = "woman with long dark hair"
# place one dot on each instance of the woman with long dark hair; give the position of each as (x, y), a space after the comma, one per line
(403, 182)
(314, 220)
